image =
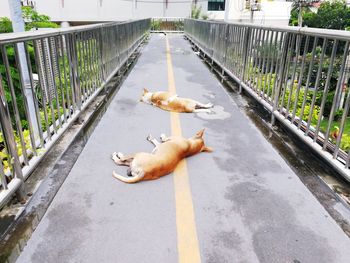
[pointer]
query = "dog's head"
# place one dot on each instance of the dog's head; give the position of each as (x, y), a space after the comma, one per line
(199, 144)
(146, 96)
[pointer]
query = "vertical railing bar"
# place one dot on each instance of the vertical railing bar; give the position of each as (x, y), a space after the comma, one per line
(64, 50)
(285, 82)
(98, 57)
(3, 176)
(301, 73)
(282, 71)
(291, 86)
(248, 56)
(14, 101)
(311, 66)
(58, 106)
(75, 71)
(41, 79)
(94, 62)
(342, 125)
(260, 59)
(317, 83)
(9, 140)
(80, 65)
(246, 47)
(57, 45)
(47, 75)
(90, 62)
(278, 58)
(265, 58)
(325, 91)
(36, 107)
(266, 72)
(23, 90)
(274, 60)
(85, 65)
(336, 95)
(255, 56)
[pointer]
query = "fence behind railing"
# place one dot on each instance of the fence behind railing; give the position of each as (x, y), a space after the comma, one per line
(46, 80)
(167, 24)
(300, 75)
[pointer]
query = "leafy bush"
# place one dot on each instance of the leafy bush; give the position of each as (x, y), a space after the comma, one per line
(5, 25)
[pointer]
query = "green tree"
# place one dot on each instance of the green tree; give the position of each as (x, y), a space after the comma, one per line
(33, 18)
(5, 25)
(330, 15)
(196, 11)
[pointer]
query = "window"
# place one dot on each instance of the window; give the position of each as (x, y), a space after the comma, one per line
(216, 5)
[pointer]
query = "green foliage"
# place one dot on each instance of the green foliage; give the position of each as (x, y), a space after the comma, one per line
(345, 139)
(36, 20)
(338, 115)
(5, 25)
(205, 17)
(196, 11)
(155, 25)
(331, 14)
(32, 20)
(5, 157)
(292, 95)
(345, 142)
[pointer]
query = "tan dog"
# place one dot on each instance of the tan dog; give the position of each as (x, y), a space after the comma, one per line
(163, 159)
(170, 102)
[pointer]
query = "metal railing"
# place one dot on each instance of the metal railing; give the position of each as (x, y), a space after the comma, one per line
(47, 79)
(300, 75)
(167, 24)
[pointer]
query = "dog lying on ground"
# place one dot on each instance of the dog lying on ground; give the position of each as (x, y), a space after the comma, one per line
(163, 159)
(170, 102)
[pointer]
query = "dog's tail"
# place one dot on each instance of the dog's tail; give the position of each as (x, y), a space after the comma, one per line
(129, 180)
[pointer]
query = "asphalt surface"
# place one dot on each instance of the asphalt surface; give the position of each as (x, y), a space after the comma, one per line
(249, 205)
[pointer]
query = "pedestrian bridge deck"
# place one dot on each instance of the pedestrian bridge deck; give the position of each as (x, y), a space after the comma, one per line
(241, 203)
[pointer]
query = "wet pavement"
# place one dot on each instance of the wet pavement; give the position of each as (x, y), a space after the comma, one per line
(249, 205)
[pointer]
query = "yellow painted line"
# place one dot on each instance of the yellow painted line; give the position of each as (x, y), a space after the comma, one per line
(187, 240)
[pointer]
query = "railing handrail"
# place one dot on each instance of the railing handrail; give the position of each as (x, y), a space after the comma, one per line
(320, 32)
(286, 70)
(72, 65)
(15, 37)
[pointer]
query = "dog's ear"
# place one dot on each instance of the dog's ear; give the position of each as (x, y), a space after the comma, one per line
(207, 149)
(200, 133)
(145, 91)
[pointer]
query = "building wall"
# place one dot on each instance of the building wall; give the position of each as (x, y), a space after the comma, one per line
(4, 8)
(105, 10)
(272, 12)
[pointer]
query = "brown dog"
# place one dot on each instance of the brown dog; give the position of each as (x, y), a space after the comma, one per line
(170, 102)
(163, 159)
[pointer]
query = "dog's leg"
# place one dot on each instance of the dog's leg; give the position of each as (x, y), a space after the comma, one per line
(164, 138)
(120, 159)
(203, 106)
(152, 140)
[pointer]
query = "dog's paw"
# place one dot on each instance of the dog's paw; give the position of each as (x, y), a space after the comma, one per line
(163, 137)
(114, 156)
(149, 137)
(209, 105)
(120, 155)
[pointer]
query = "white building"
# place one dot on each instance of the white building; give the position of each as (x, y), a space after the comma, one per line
(86, 11)
(271, 12)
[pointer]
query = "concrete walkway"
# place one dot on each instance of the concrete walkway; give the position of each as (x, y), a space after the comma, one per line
(248, 204)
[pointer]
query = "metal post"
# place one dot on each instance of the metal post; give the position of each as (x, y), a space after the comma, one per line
(18, 26)
(300, 15)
